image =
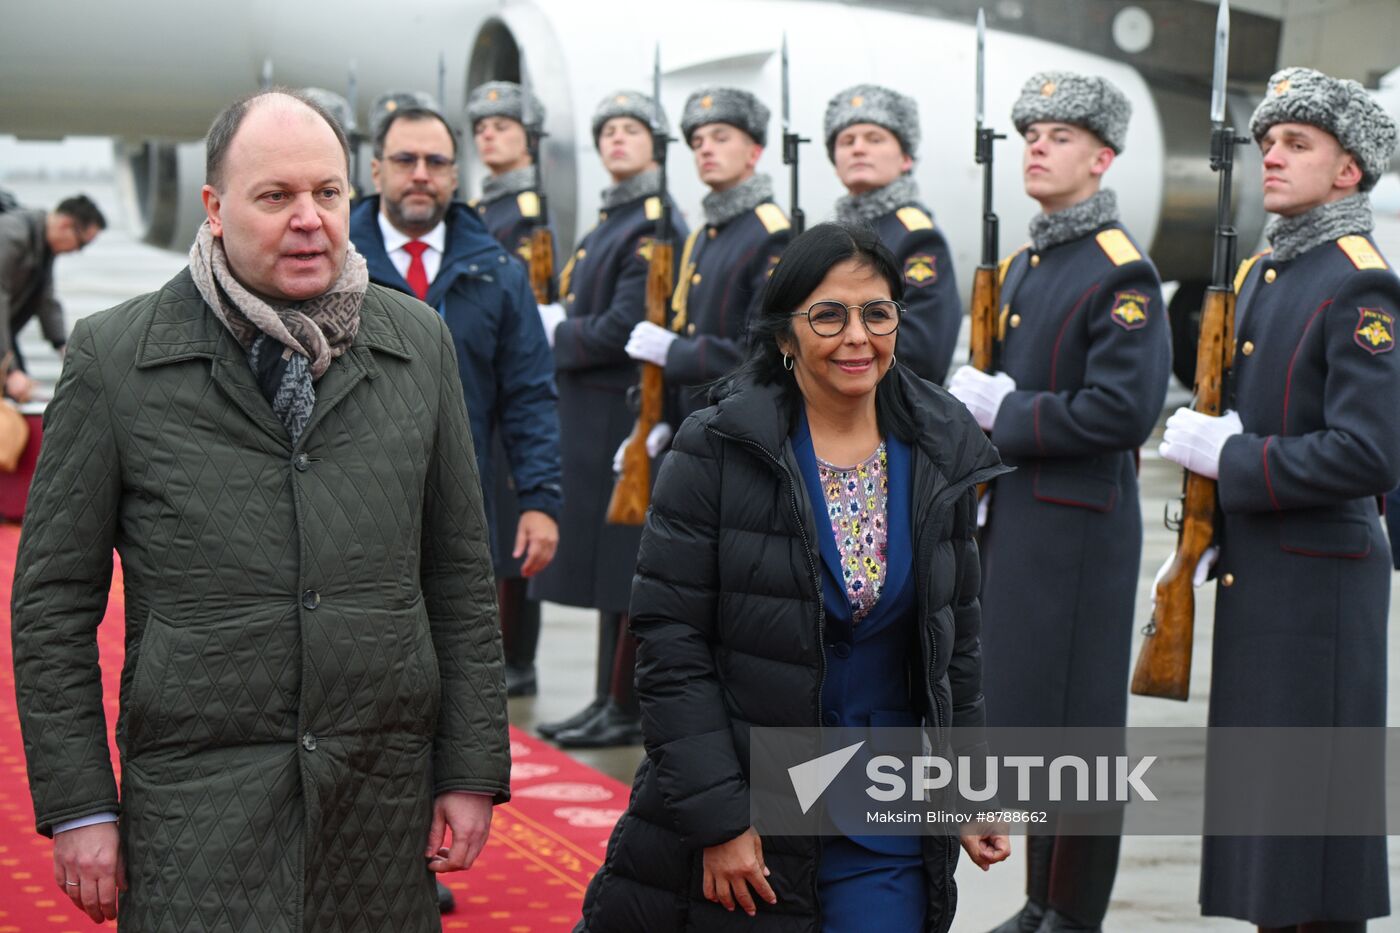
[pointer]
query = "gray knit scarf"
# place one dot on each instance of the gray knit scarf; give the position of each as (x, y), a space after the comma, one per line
(1073, 222)
(1291, 237)
(640, 185)
(496, 187)
(723, 206)
(870, 206)
(289, 346)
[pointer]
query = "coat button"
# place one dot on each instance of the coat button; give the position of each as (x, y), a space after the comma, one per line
(569, 297)
(1247, 348)
(302, 462)
(1227, 580)
(713, 233)
(310, 599)
(1035, 261)
(695, 279)
(1014, 320)
(690, 330)
(841, 649)
(308, 742)
(830, 718)
(1270, 275)
(602, 215)
(581, 253)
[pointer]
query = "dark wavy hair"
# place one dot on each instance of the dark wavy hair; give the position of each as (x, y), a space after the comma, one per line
(804, 265)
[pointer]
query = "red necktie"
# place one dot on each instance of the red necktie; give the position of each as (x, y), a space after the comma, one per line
(417, 272)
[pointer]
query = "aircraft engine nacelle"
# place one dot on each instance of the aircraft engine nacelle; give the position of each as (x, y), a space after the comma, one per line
(160, 184)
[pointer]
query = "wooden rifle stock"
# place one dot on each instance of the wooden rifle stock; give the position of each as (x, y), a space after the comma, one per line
(986, 295)
(632, 493)
(1164, 666)
(542, 264)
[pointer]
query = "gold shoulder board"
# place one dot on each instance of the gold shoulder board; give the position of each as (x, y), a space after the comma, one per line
(772, 217)
(1004, 266)
(529, 203)
(653, 208)
(1119, 249)
(1361, 253)
(1243, 272)
(914, 219)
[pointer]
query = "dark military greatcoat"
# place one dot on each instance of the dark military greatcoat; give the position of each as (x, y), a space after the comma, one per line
(928, 332)
(724, 268)
(1303, 589)
(604, 293)
(1084, 334)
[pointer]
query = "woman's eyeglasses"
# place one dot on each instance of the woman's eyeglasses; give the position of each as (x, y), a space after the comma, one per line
(829, 318)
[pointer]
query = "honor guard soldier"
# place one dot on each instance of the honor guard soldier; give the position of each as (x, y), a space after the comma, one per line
(509, 204)
(726, 262)
(1303, 570)
(604, 288)
(872, 137)
(510, 208)
(1084, 354)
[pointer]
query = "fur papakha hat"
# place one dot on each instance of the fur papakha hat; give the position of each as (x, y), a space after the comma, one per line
(632, 104)
(871, 103)
(1341, 107)
(730, 105)
(386, 104)
(1082, 100)
(503, 99)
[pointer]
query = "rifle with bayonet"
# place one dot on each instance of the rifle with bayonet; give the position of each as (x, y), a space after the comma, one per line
(791, 142)
(541, 236)
(986, 289)
(632, 494)
(1164, 666)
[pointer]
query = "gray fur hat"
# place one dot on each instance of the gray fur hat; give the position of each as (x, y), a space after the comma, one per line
(1341, 107)
(729, 105)
(1082, 100)
(335, 105)
(385, 104)
(871, 103)
(632, 104)
(503, 99)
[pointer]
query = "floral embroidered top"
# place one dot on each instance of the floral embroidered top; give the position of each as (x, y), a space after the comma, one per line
(857, 501)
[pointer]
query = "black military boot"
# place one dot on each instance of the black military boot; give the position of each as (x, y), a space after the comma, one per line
(620, 722)
(1027, 919)
(608, 626)
(1082, 872)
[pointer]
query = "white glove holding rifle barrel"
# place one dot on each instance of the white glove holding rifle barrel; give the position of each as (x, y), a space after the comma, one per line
(657, 440)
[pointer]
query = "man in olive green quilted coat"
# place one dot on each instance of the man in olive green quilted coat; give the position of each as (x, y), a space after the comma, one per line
(313, 689)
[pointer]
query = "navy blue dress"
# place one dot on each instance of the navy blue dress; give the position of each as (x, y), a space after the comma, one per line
(868, 684)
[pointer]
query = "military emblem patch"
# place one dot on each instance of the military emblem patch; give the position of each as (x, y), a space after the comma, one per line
(644, 248)
(1047, 89)
(706, 102)
(1375, 331)
(1129, 310)
(920, 269)
(493, 95)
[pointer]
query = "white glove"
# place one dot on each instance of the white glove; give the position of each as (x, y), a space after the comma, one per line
(1198, 577)
(984, 508)
(657, 440)
(551, 316)
(650, 343)
(981, 393)
(1195, 440)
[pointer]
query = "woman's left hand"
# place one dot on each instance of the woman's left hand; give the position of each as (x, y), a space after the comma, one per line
(986, 849)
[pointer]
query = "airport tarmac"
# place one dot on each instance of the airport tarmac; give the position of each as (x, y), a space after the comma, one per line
(1158, 879)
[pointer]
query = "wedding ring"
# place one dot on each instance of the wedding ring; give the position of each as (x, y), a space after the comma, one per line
(72, 884)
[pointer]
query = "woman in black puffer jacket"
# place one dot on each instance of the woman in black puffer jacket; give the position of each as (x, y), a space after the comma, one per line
(808, 560)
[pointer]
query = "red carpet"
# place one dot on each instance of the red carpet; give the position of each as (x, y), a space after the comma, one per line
(545, 844)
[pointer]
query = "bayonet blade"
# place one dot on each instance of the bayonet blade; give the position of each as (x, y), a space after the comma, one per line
(787, 101)
(1222, 64)
(352, 94)
(442, 80)
(527, 106)
(981, 66)
(656, 90)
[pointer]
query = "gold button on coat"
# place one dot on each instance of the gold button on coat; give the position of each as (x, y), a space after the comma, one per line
(695, 279)
(1015, 320)
(581, 253)
(713, 233)
(1270, 275)
(569, 296)
(1035, 261)
(1227, 580)
(1248, 347)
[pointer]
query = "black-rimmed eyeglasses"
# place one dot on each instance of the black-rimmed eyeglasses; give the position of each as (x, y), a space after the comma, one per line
(408, 161)
(829, 318)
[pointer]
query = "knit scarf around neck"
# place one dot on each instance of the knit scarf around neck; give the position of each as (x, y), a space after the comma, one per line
(289, 346)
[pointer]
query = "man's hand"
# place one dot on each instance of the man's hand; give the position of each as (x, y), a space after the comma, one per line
(649, 343)
(469, 817)
(19, 386)
(551, 316)
(986, 849)
(87, 866)
(981, 393)
(732, 867)
(536, 537)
